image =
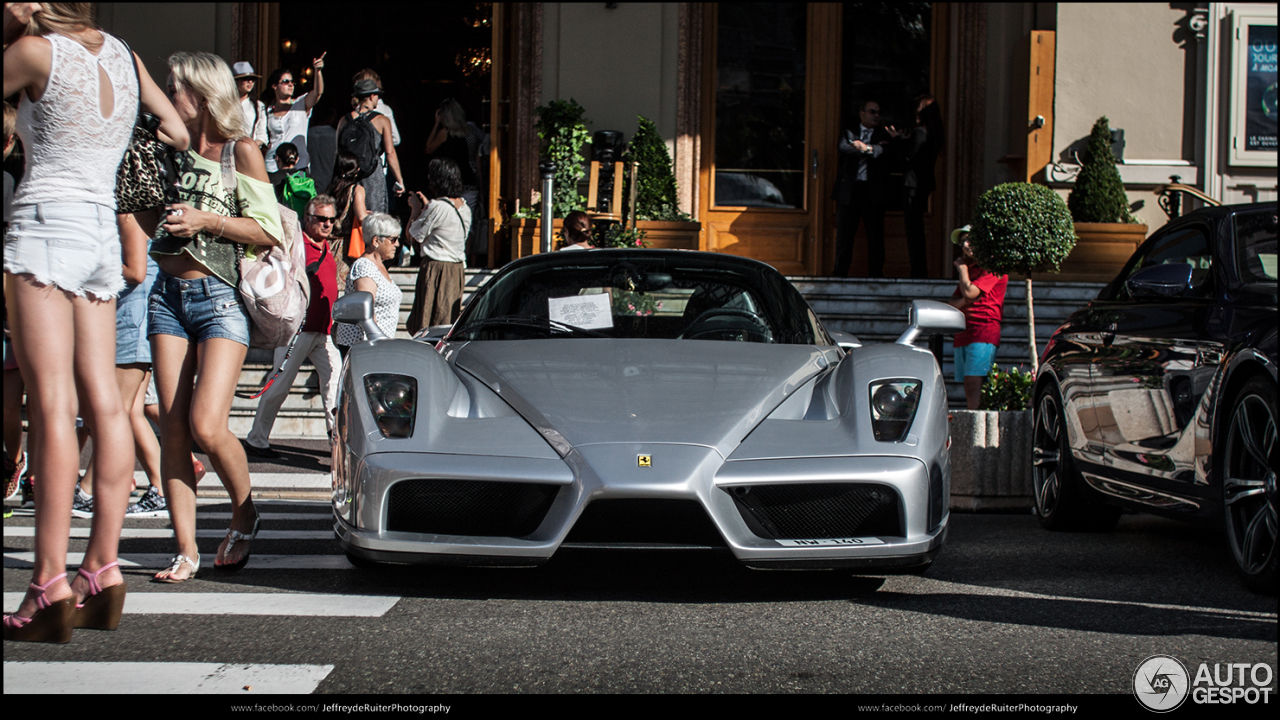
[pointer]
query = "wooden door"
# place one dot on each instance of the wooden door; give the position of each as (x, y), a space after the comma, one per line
(770, 120)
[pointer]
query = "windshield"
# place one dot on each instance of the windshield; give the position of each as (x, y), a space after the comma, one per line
(641, 294)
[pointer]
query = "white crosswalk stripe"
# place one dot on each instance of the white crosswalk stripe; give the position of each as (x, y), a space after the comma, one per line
(129, 533)
(308, 524)
(278, 604)
(259, 561)
(174, 678)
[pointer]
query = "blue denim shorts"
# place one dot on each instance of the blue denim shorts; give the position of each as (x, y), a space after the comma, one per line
(197, 310)
(974, 360)
(131, 320)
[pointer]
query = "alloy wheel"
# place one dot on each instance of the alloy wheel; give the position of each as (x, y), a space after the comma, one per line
(1249, 484)
(1047, 455)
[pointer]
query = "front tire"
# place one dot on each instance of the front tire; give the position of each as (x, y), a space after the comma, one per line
(1062, 501)
(1248, 460)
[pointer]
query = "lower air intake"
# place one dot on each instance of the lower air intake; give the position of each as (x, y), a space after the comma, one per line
(468, 507)
(819, 510)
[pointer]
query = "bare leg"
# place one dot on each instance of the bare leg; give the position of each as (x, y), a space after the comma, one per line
(973, 390)
(220, 363)
(13, 414)
(49, 325)
(175, 370)
(145, 444)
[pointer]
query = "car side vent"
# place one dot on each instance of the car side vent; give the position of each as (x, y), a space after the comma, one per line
(811, 511)
(644, 523)
(468, 507)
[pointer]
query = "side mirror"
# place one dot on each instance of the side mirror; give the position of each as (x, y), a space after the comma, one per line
(435, 333)
(931, 316)
(356, 308)
(845, 340)
(1160, 280)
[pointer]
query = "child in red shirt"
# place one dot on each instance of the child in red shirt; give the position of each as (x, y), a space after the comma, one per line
(980, 296)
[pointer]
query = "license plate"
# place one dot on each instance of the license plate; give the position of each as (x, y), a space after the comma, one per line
(828, 542)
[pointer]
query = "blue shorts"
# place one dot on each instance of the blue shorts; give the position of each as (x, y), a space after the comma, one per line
(974, 360)
(131, 320)
(197, 310)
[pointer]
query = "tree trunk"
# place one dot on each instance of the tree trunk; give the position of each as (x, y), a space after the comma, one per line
(1031, 331)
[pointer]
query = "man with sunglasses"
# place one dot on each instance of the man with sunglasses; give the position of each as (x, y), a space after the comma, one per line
(314, 342)
(861, 191)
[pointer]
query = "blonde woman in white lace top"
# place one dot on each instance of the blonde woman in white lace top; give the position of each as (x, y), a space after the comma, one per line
(78, 101)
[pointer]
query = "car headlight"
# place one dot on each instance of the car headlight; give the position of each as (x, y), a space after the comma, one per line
(394, 402)
(893, 407)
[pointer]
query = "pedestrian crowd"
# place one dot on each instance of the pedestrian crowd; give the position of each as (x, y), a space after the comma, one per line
(145, 205)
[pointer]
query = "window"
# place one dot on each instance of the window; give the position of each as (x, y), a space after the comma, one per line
(760, 105)
(1187, 246)
(1256, 247)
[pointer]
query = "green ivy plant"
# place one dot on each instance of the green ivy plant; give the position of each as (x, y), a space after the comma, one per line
(1007, 389)
(1022, 228)
(655, 180)
(1098, 195)
(563, 130)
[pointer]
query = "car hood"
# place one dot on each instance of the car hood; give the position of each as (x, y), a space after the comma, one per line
(579, 392)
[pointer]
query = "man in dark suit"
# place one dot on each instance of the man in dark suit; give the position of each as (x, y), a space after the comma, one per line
(861, 191)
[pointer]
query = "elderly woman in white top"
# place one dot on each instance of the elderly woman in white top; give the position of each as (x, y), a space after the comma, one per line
(78, 103)
(441, 227)
(369, 274)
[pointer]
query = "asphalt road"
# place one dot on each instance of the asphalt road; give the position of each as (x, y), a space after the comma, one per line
(1006, 608)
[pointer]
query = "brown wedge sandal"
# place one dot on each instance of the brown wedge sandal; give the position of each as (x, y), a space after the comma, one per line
(102, 607)
(51, 623)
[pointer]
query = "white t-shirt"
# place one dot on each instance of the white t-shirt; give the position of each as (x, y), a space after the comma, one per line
(442, 231)
(257, 125)
(386, 303)
(290, 128)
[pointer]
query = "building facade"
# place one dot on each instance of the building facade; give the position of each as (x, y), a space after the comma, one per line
(751, 98)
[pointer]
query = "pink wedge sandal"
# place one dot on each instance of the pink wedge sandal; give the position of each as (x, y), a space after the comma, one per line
(102, 607)
(52, 622)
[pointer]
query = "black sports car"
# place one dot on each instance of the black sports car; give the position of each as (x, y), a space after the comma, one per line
(1160, 395)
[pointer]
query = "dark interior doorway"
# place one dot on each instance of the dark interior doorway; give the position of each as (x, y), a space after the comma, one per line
(424, 53)
(887, 57)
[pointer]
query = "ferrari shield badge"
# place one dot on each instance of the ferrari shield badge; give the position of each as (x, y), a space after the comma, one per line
(644, 460)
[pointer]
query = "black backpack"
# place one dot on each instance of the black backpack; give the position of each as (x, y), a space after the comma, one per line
(361, 139)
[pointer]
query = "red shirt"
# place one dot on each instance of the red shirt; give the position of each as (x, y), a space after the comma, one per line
(982, 317)
(324, 287)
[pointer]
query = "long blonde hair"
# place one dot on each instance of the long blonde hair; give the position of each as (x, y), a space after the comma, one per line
(208, 76)
(64, 19)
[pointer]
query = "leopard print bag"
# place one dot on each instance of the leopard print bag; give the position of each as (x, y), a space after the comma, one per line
(148, 172)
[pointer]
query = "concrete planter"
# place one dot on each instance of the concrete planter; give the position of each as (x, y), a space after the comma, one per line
(991, 460)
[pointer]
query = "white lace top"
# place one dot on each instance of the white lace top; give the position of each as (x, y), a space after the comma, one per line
(73, 152)
(386, 303)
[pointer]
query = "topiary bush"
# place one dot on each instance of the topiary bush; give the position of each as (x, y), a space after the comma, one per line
(1098, 195)
(656, 191)
(563, 130)
(1022, 228)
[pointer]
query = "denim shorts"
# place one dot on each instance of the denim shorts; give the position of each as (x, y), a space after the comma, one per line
(198, 310)
(974, 360)
(72, 246)
(131, 320)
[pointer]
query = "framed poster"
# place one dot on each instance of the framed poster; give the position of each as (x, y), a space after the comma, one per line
(1253, 92)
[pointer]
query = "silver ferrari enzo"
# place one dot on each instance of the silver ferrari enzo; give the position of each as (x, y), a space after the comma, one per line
(642, 399)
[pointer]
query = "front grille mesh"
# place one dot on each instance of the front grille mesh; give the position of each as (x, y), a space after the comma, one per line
(819, 510)
(468, 507)
(641, 521)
